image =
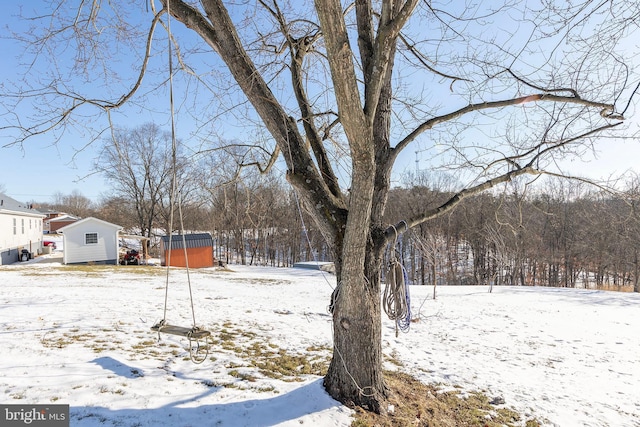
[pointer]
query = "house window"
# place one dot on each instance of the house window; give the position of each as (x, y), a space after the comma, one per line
(90, 238)
(22, 225)
(15, 226)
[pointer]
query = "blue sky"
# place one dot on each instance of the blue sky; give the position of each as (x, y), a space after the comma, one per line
(41, 168)
(42, 171)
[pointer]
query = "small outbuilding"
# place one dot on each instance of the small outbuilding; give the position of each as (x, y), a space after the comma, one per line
(199, 250)
(90, 240)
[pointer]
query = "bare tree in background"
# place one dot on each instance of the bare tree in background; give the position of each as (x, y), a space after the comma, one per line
(633, 223)
(74, 203)
(138, 164)
(118, 210)
(494, 92)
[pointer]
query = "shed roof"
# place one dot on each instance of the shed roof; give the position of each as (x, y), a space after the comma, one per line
(197, 240)
(88, 220)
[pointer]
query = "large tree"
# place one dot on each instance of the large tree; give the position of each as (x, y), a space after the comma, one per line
(342, 90)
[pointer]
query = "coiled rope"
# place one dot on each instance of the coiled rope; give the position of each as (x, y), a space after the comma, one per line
(396, 301)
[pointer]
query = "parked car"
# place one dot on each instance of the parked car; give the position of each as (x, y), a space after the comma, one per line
(49, 243)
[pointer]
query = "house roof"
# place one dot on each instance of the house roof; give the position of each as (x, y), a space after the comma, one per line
(86, 220)
(7, 204)
(65, 217)
(197, 240)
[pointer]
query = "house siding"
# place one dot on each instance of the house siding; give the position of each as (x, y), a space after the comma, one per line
(54, 226)
(27, 234)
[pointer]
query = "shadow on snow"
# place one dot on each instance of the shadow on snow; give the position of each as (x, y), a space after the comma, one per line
(304, 400)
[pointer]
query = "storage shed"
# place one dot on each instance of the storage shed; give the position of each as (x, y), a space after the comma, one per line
(90, 240)
(199, 250)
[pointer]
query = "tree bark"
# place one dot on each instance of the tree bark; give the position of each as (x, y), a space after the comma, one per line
(355, 373)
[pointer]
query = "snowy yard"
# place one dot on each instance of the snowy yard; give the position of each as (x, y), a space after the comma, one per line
(566, 357)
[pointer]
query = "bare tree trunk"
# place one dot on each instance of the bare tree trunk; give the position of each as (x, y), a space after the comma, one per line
(355, 375)
(434, 278)
(636, 282)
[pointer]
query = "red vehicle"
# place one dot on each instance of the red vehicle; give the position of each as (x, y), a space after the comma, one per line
(49, 243)
(131, 257)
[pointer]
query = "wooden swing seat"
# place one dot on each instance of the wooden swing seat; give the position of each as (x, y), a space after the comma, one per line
(191, 333)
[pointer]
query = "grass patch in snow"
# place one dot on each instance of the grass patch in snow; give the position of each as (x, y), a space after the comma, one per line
(244, 376)
(261, 358)
(93, 270)
(56, 340)
(417, 404)
(290, 367)
(263, 281)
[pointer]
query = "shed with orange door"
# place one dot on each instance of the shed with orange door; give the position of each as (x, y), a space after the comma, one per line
(199, 250)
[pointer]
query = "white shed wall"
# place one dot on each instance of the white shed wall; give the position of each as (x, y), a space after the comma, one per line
(76, 251)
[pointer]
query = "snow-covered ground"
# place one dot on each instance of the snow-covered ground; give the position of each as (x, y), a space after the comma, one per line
(566, 357)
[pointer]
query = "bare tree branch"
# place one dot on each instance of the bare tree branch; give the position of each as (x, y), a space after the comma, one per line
(298, 48)
(393, 18)
(77, 101)
(404, 225)
(607, 111)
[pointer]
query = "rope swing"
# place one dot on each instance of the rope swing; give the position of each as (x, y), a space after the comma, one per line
(396, 301)
(194, 334)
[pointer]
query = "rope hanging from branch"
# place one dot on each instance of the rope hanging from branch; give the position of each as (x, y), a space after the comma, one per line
(396, 301)
(194, 334)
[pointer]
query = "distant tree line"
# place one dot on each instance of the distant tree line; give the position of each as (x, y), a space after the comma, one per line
(564, 233)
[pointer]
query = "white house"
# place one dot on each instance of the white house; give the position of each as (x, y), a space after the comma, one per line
(90, 240)
(20, 229)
